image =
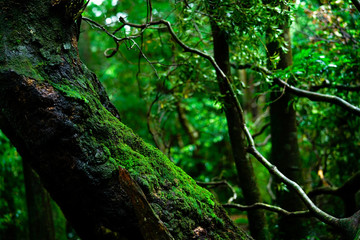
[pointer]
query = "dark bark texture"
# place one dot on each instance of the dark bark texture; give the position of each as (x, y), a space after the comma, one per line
(246, 175)
(106, 180)
(285, 150)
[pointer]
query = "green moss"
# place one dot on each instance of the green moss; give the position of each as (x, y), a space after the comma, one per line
(165, 183)
(69, 91)
(23, 66)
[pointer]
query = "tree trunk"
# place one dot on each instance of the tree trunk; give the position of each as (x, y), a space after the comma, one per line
(41, 224)
(285, 150)
(247, 179)
(107, 181)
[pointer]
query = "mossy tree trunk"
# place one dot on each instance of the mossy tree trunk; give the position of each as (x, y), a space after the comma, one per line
(107, 181)
(247, 179)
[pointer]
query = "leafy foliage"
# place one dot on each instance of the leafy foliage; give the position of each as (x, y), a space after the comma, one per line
(12, 193)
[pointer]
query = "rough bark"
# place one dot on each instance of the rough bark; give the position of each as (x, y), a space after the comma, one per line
(57, 114)
(246, 175)
(285, 150)
(41, 224)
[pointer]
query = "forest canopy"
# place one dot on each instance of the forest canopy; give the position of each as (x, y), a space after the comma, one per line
(258, 101)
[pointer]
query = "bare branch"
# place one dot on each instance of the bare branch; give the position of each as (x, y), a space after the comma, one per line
(154, 133)
(266, 140)
(321, 215)
(268, 207)
(261, 130)
(316, 97)
(97, 25)
(268, 188)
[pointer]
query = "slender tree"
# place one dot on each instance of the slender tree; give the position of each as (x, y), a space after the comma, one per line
(285, 150)
(247, 178)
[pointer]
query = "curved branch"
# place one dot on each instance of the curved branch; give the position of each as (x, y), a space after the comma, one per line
(316, 97)
(261, 130)
(319, 97)
(266, 140)
(268, 207)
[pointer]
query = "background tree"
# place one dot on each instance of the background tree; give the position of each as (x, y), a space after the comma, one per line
(284, 135)
(247, 178)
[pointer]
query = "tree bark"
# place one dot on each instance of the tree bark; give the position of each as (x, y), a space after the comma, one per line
(285, 150)
(246, 175)
(57, 114)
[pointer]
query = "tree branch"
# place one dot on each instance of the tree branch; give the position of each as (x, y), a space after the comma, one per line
(261, 130)
(266, 140)
(268, 207)
(316, 97)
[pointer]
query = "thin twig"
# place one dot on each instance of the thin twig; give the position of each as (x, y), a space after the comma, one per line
(268, 187)
(144, 56)
(265, 142)
(268, 207)
(156, 136)
(261, 130)
(319, 97)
